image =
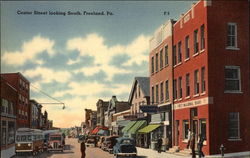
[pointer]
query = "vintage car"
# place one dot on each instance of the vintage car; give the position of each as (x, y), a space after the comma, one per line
(56, 142)
(91, 140)
(101, 140)
(125, 147)
(111, 143)
(29, 140)
(105, 143)
(81, 138)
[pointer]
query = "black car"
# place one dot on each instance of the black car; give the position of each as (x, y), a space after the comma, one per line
(125, 147)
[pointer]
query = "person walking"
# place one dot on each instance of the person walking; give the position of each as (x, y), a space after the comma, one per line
(189, 138)
(83, 148)
(192, 145)
(200, 145)
(159, 144)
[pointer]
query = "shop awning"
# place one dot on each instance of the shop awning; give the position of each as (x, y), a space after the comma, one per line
(103, 132)
(149, 108)
(149, 128)
(98, 128)
(128, 126)
(137, 126)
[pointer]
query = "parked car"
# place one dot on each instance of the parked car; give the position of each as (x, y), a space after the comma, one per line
(91, 140)
(81, 138)
(111, 143)
(124, 147)
(105, 143)
(101, 140)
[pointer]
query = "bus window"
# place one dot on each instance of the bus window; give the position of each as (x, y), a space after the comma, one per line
(29, 138)
(23, 138)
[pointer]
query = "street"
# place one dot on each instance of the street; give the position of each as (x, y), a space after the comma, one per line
(72, 151)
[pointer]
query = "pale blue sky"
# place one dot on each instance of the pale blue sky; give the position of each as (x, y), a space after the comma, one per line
(54, 52)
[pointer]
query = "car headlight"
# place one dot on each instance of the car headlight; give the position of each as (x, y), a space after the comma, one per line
(18, 144)
(29, 144)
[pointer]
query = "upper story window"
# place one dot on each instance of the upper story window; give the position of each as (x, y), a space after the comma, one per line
(196, 43)
(167, 91)
(4, 106)
(203, 82)
(153, 95)
(196, 81)
(139, 91)
(161, 59)
(174, 55)
(232, 79)
(175, 89)
(135, 94)
(166, 55)
(179, 52)
(157, 94)
(152, 64)
(187, 47)
(231, 35)
(161, 90)
(187, 85)
(180, 87)
(202, 37)
(234, 125)
(156, 62)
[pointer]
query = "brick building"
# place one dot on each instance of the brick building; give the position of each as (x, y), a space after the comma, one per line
(22, 85)
(9, 98)
(210, 79)
(102, 106)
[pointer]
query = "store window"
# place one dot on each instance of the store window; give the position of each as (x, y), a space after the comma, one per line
(11, 132)
(234, 125)
(185, 127)
(3, 134)
(203, 128)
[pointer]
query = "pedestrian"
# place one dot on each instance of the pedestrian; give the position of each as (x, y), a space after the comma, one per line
(192, 145)
(200, 145)
(159, 142)
(189, 138)
(83, 148)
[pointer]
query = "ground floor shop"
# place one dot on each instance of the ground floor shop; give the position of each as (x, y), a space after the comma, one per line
(8, 128)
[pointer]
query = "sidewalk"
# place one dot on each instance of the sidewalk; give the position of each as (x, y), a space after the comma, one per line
(149, 153)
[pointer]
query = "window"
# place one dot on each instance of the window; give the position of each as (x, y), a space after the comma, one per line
(161, 92)
(139, 91)
(202, 37)
(196, 81)
(234, 125)
(166, 55)
(203, 128)
(157, 94)
(3, 133)
(180, 87)
(175, 89)
(167, 92)
(232, 78)
(187, 85)
(135, 94)
(187, 47)
(196, 43)
(153, 95)
(156, 62)
(10, 108)
(152, 64)
(231, 35)
(11, 132)
(4, 107)
(203, 83)
(174, 56)
(185, 128)
(161, 59)
(193, 113)
(179, 52)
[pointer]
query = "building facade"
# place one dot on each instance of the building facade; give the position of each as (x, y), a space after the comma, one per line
(34, 114)
(211, 94)
(102, 106)
(9, 97)
(22, 85)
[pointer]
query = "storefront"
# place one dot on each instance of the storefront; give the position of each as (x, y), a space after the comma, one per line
(133, 131)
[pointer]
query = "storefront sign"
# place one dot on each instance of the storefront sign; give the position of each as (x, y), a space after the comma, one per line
(194, 103)
(156, 118)
(149, 108)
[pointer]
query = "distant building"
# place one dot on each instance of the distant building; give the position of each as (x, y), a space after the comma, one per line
(34, 114)
(22, 85)
(102, 106)
(9, 97)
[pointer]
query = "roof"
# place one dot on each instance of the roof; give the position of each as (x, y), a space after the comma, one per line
(144, 85)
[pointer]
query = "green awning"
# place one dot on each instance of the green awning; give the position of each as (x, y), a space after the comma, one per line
(128, 126)
(149, 128)
(137, 126)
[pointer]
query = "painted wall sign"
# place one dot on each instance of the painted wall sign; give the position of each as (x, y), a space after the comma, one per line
(193, 103)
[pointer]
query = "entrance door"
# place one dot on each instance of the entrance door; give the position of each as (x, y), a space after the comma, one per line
(195, 131)
(177, 133)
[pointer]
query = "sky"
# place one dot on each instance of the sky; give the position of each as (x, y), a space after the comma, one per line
(79, 59)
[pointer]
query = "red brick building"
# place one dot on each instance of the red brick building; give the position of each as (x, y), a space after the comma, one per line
(22, 85)
(211, 75)
(8, 118)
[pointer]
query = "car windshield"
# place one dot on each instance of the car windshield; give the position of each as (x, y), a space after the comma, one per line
(55, 138)
(24, 138)
(126, 141)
